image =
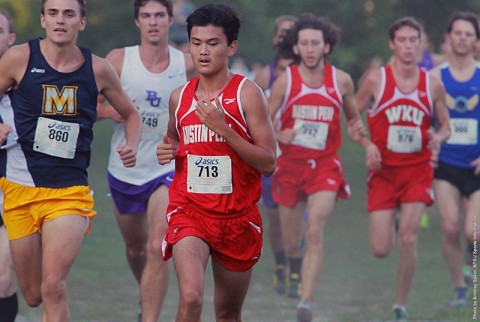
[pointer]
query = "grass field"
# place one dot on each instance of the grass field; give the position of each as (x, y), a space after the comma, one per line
(353, 285)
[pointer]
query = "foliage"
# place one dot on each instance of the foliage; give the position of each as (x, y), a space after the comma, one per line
(364, 24)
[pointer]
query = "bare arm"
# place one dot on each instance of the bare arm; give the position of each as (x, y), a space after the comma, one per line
(347, 91)
(262, 78)
(260, 155)
(167, 149)
(364, 97)
(107, 111)
(277, 94)
(367, 90)
(437, 91)
(109, 85)
(13, 66)
(275, 100)
(355, 128)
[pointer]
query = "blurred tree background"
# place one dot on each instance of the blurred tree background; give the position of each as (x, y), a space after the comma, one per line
(364, 24)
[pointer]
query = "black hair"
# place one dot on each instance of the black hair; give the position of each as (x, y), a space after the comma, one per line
(218, 15)
(331, 33)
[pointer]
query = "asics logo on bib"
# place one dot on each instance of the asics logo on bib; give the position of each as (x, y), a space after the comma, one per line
(202, 161)
(59, 127)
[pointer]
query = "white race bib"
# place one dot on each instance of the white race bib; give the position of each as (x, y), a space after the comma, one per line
(56, 138)
(209, 174)
(464, 131)
(404, 139)
(312, 135)
(154, 123)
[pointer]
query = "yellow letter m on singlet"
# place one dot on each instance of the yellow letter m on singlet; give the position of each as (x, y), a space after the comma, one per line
(59, 102)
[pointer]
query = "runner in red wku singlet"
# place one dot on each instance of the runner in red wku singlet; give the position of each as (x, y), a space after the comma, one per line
(401, 99)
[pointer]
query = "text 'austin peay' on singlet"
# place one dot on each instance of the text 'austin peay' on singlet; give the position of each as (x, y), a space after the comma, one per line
(463, 104)
(209, 175)
(54, 114)
(314, 113)
(399, 121)
(150, 93)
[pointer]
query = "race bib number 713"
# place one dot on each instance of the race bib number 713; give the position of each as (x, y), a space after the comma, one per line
(209, 174)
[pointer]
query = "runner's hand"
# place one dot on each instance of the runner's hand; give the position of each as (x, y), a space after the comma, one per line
(127, 154)
(167, 150)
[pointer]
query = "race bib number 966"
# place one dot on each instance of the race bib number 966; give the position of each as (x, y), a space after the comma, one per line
(464, 131)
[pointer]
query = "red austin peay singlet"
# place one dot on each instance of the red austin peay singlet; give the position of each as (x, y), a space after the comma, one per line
(210, 176)
(314, 113)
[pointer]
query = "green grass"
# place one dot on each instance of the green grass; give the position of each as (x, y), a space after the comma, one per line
(353, 285)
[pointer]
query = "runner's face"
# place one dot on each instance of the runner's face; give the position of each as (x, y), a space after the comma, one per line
(209, 49)
(311, 47)
(62, 20)
(406, 44)
(462, 38)
(154, 22)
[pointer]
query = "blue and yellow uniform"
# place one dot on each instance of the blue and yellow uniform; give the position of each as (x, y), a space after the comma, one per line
(53, 116)
(463, 101)
(463, 146)
(56, 132)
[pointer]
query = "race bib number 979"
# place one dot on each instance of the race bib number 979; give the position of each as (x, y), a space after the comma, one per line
(404, 139)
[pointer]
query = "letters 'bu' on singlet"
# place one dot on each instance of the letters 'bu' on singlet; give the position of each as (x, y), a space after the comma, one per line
(399, 121)
(463, 102)
(209, 175)
(54, 113)
(314, 114)
(151, 94)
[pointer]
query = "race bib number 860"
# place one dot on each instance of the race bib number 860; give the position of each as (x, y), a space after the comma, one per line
(56, 138)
